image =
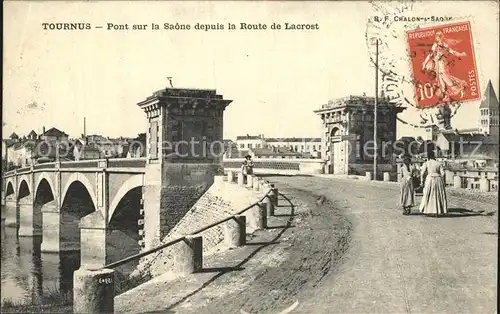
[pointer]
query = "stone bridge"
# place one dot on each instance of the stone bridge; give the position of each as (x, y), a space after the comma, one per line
(50, 200)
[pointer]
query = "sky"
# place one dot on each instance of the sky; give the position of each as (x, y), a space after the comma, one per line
(276, 78)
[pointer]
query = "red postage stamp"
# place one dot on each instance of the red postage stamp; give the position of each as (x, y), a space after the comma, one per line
(443, 65)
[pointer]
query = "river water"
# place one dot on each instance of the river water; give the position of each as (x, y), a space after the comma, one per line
(27, 273)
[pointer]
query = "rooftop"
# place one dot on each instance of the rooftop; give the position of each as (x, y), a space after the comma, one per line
(490, 98)
(249, 137)
(353, 100)
(54, 132)
(468, 137)
(294, 139)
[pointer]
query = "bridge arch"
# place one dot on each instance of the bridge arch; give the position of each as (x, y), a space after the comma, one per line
(78, 177)
(23, 190)
(48, 180)
(133, 182)
(9, 188)
(43, 195)
(123, 228)
(24, 183)
(76, 204)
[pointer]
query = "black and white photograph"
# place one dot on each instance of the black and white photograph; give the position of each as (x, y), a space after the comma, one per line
(250, 157)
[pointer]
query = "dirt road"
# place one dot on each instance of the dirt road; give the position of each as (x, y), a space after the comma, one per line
(357, 254)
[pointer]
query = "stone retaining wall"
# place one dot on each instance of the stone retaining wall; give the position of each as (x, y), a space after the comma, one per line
(221, 200)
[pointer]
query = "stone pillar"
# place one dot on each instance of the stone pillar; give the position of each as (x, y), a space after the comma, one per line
(457, 182)
(273, 194)
(269, 205)
(235, 231)
(26, 217)
(249, 181)
(219, 179)
(368, 176)
(189, 257)
(93, 235)
(241, 179)
(262, 187)
(259, 216)
(387, 177)
(230, 177)
(51, 227)
(10, 212)
(484, 185)
(256, 184)
(93, 291)
(177, 175)
(448, 177)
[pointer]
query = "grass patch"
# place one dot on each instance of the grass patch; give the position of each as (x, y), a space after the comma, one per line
(51, 302)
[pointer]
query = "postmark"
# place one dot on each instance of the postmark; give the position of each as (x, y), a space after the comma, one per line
(443, 64)
(397, 82)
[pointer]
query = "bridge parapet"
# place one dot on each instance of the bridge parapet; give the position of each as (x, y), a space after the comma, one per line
(24, 170)
(49, 165)
(278, 166)
(115, 163)
(127, 163)
(10, 173)
(80, 164)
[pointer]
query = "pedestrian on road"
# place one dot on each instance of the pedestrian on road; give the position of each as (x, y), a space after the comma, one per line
(247, 167)
(434, 196)
(407, 197)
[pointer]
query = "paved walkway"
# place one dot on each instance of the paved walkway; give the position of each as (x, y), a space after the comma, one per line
(356, 255)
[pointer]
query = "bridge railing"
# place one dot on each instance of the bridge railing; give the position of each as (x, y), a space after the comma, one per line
(23, 170)
(192, 256)
(93, 163)
(127, 163)
(90, 163)
(48, 165)
(10, 172)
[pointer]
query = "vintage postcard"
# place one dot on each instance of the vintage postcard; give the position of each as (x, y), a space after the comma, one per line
(250, 157)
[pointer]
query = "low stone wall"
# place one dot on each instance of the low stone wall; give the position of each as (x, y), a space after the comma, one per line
(221, 200)
(362, 169)
(457, 184)
(283, 166)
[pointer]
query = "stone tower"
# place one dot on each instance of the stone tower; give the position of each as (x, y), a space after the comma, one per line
(348, 131)
(184, 152)
(489, 112)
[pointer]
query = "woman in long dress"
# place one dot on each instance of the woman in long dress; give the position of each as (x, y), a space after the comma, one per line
(407, 197)
(434, 196)
(436, 65)
(247, 167)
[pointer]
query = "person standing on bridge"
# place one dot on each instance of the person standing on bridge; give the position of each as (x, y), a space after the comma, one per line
(434, 196)
(247, 167)
(407, 197)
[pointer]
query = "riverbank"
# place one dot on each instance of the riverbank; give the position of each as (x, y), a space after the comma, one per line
(55, 302)
(19, 308)
(305, 242)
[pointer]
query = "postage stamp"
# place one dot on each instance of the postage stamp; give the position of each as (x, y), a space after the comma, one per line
(443, 65)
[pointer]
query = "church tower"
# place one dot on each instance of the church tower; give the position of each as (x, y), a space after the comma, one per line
(489, 112)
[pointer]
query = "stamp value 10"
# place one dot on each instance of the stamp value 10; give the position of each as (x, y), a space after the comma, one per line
(443, 65)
